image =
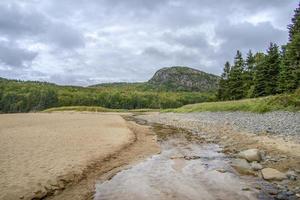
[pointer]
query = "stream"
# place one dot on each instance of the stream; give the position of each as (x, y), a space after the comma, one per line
(186, 168)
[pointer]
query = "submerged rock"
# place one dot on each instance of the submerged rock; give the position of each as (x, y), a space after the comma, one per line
(250, 155)
(242, 166)
(221, 170)
(272, 174)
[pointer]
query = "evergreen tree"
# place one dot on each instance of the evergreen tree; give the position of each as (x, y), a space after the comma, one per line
(249, 73)
(259, 76)
(235, 79)
(272, 69)
(294, 27)
(223, 91)
(290, 65)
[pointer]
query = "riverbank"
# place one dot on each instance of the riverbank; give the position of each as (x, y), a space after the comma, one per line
(236, 132)
(45, 155)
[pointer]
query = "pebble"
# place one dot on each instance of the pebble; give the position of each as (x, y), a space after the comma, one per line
(221, 170)
(278, 122)
(245, 189)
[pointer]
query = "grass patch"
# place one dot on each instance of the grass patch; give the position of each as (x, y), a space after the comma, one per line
(284, 102)
(95, 109)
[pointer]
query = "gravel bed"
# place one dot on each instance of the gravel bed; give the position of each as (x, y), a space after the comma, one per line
(279, 123)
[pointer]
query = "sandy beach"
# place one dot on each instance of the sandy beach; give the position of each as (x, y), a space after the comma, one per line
(43, 152)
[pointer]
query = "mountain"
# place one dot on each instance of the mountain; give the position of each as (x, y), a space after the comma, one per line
(173, 79)
(184, 79)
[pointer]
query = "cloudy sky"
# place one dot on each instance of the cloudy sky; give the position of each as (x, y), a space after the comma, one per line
(85, 42)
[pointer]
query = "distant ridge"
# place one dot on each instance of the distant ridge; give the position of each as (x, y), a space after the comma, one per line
(175, 78)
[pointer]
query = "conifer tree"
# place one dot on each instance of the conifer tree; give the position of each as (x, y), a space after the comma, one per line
(272, 70)
(223, 91)
(259, 75)
(290, 65)
(235, 79)
(294, 27)
(249, 73)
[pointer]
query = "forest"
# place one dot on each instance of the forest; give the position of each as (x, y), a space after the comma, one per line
(26, 96)
(262, 74)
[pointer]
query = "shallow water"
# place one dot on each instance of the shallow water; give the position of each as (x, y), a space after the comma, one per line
(185, 169)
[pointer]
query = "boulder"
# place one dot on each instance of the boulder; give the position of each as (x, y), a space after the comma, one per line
(250, 155)
(242, 166)
(272, 174)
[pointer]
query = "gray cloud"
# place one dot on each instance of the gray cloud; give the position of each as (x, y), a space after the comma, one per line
(17, 21)
(14, 56)
(71, 42)
(64, 36)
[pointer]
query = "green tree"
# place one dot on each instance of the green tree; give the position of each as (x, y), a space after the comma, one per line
(258, 88)
(235, 79)
(248, 75)
(290, 65)
(294, 27)
(223, 91)
(272, 69)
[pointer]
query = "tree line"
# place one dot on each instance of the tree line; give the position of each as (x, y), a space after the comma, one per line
(261, 74)
(26, 96)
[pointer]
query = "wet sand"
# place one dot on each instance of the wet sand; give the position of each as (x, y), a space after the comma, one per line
(43, 153)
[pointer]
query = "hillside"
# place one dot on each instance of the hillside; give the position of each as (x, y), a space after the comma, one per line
(27, 96)
(284, 102)
(173, 79)
(184, 79)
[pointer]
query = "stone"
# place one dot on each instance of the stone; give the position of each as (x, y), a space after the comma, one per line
(191, 157)
(272, 191)
(245, 189)
(256, 166)
(290, 193)
(221, 170)
(281, 197)
(272, 174)
(250, 155)
(257, 187)
(242, 166)
(291, 175)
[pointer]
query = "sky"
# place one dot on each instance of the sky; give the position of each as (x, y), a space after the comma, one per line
(77, 42)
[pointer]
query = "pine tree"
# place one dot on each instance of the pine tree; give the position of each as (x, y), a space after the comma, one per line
(223, 91)
(259, 76)
(248, 73)
(273, 59)
(235, 79)
(294, 27)
(290, 65)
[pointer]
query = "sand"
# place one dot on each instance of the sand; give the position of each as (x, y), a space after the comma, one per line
(41, 152)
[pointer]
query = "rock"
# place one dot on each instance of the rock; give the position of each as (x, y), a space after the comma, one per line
(281, 197)
(291, 175)
(245, 189)
(272, 191)
(39, 194)
(272, 174)
(257, 187)
(256, 166)
(290, 193)
(250, 155)
(191, 157)
(221, 170)
(242, 166)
